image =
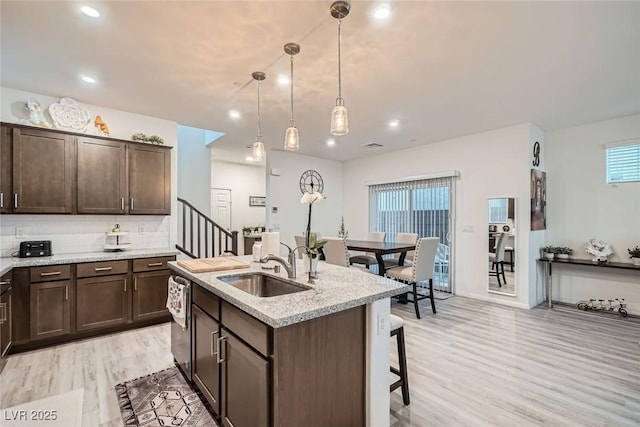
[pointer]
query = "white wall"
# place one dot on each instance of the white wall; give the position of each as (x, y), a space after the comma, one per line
(491, 164)
(284, 193)
(72, 230)
(581, 205)
(194, 164)
(243, 180)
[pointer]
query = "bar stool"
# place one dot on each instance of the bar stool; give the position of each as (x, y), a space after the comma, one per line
(397, 329)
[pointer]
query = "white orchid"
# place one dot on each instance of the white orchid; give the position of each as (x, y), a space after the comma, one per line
(311, 198)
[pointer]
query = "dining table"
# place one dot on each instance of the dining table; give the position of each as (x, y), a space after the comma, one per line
(381, 248)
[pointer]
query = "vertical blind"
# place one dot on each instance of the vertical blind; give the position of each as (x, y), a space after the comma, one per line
(623, 163)
(411, 207)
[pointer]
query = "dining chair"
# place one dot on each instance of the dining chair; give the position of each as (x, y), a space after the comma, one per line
(420, 271)
(336, 252)
(410, 238)
(497, 259)
(369, 258)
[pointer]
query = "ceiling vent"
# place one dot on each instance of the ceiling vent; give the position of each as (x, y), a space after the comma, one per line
(371, 145)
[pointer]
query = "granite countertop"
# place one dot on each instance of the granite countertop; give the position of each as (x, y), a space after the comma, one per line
(336, 289)
(6, 264)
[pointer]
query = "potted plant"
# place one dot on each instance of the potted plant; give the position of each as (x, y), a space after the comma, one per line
(246, 231)
(634, 255)
(563, 252)
(548, 252)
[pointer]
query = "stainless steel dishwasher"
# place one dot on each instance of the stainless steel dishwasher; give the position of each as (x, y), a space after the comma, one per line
(181, 337)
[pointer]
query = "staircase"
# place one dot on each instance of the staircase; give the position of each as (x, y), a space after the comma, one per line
(199, 236)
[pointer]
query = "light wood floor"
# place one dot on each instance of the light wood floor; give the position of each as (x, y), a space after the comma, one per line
(509, 287)
(472, 364)
(481, 364)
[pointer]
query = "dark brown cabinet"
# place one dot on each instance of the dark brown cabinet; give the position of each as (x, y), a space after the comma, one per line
(102, 176)
(5, 169)
(206, 373)
(50, 309)
(149, 180)
(245, 385)
(6, 319)
(150, 295)
(43, 171)
(101, 302)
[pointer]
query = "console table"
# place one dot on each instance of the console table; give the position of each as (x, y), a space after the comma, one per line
(550, 263)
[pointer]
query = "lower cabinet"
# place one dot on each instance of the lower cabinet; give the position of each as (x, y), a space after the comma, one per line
(101, 302)
(150, 295)
(5, 324)
(206, 374)
(50, 309)
(245, 384)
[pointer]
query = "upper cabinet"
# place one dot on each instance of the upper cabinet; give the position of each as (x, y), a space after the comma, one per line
(39, 169)
(43, 170)
(149, 180)
(102, 176)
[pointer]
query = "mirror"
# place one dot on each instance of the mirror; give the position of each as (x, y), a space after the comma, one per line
(502, 245)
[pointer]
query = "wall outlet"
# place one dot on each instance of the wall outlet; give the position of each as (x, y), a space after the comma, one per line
(19, 233)
(141, 229)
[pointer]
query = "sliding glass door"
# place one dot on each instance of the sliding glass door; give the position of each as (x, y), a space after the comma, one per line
(424, 207)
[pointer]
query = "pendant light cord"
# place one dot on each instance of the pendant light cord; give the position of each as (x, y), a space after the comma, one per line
(259, 136)
(291, 119)
(339, 67)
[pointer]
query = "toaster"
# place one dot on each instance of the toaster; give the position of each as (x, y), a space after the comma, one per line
(35, 248)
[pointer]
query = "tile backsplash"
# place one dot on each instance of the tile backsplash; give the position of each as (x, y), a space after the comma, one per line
(82, 233)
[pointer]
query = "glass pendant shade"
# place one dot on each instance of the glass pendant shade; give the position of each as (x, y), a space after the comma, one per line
(339, 120)
(291, 139)
(258, 150)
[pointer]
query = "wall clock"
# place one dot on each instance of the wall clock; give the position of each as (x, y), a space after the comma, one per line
(311, 181)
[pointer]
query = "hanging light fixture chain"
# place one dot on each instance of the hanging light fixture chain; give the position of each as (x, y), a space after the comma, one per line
(291, 88)
(259, 136)
(339, 61)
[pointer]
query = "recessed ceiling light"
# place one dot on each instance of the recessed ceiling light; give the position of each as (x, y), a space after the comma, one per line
(331, 142)
(382, 12)
(283, 80)
(249, 159)
(394, 123)
(89, 11)
(234, 114)
(88, 79)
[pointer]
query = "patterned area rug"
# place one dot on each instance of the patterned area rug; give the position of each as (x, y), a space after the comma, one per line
(162, 399)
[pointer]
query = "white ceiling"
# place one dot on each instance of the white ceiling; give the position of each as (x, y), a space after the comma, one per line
(444, 69)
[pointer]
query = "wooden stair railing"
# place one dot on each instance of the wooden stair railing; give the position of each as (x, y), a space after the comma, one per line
(201, 237)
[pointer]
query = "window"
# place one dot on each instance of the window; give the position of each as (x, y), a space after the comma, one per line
(623, 163)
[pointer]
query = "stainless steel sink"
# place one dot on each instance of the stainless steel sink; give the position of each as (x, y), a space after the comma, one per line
(261, 285)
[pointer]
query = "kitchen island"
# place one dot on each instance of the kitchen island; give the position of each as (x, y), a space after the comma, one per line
(318, 357)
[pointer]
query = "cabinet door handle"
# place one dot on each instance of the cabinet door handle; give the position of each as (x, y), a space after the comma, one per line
(52, 273)
(211, 350)
(121, 203)
(132, 203)
(103, 268)
(5, 282)
(66, 292)
(3, 316)
(219, 357)
(15, 200)
(155, 264)
(135, 284)
(1, 200)
(125, 286)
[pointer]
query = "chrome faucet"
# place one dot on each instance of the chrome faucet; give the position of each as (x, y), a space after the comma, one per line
(289, 265)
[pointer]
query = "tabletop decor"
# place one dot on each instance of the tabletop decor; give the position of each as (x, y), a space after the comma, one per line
(600, 250)
(634, 255)
(342, 233)
(310, 199)
(101, 126)
(36, 115)
(69, 115)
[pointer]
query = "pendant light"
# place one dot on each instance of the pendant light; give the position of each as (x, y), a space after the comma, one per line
(339, 118)
(291, 137)
(258, 146)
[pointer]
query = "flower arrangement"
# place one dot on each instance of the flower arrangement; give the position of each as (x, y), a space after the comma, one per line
(310, 199)
(315, 245)
(599, 249)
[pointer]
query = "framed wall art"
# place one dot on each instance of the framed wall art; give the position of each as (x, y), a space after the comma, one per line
(538, 200)
(257, 201)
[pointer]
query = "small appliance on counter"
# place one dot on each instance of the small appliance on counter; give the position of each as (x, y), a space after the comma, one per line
(35, 248)
(117, 240)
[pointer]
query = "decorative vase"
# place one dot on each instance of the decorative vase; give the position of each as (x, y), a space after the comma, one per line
(549, 256)
(314, 264)
(562, 256)
(635, 260)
